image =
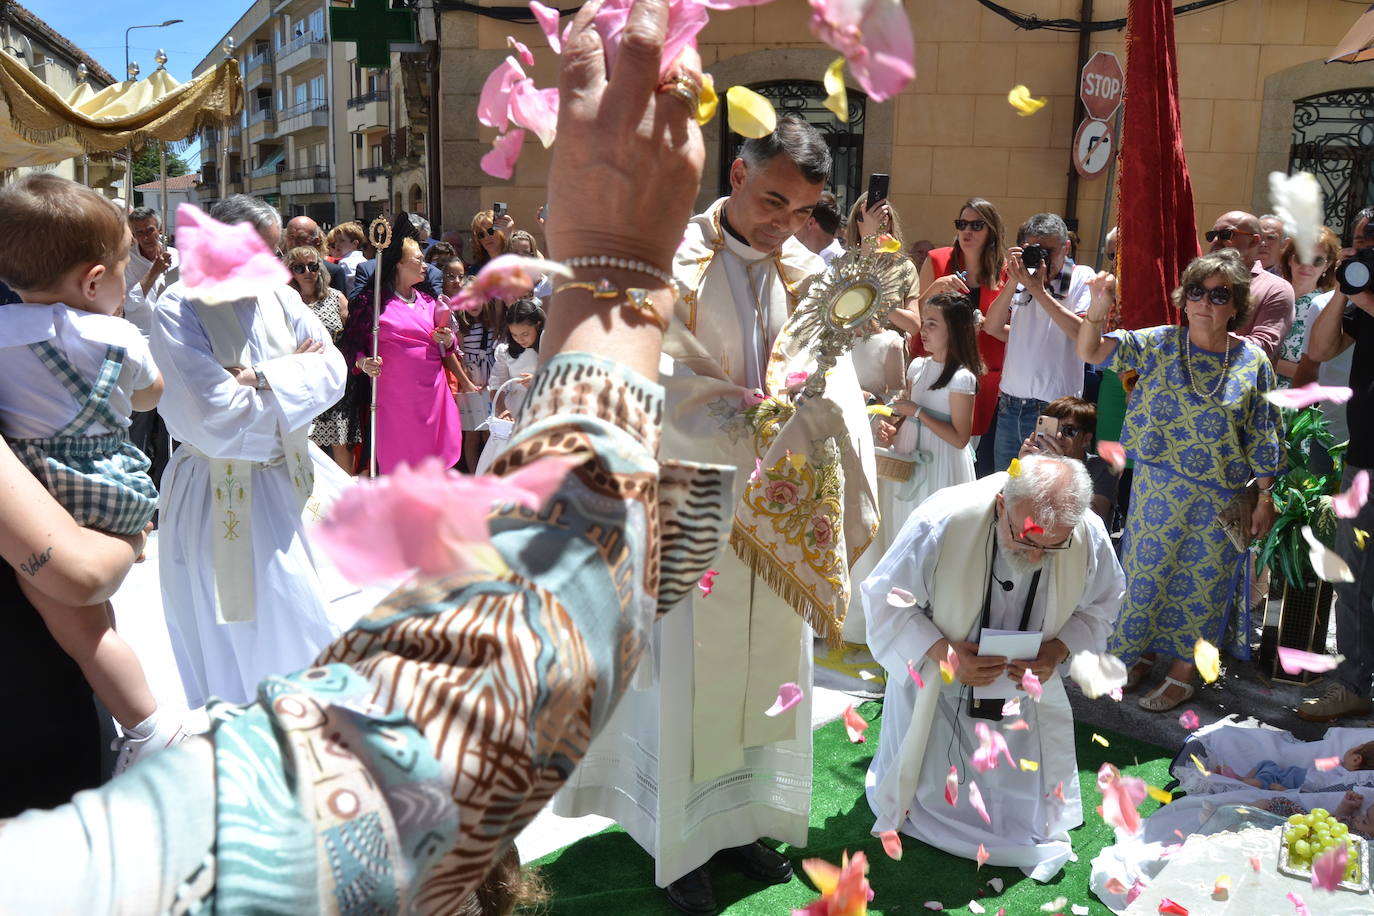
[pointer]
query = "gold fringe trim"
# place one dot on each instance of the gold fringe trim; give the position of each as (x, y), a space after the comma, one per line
(763, 564)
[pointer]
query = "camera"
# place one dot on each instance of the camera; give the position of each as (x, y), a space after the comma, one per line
(1356, 274)
(1034, 256)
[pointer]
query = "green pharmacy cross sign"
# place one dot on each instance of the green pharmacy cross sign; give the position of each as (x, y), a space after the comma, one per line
(375, 26)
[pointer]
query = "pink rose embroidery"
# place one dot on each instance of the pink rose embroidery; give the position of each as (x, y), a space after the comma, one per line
(822, 531)
(783, 492)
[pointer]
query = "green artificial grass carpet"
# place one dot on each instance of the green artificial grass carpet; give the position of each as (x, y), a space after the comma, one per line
(608, 873)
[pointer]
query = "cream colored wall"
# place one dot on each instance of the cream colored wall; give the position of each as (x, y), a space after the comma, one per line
(952, 133)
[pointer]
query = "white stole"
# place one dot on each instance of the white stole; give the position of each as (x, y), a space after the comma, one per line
(956, 600)
(231, 479)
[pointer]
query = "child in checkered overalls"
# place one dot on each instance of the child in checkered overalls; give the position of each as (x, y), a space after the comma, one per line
(73, 372)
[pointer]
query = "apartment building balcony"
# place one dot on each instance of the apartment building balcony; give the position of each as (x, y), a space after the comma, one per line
(372, 172)
(267, 178)
(313, 179)
(303, 116)
(368, 110)
(258, 69)
(262, 124)
(311, 46)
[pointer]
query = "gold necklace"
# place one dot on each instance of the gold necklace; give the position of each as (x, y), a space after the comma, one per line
(1188, 366)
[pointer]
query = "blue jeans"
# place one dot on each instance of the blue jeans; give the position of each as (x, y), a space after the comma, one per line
(1015, 422)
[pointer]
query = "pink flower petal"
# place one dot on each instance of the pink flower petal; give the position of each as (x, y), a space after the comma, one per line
(900, 597)
(493, 105)
(1307, 395)
(950, 666)
(224, 263)
(405, 522)
(1299, 906)
(685, 19)
(1189, 719)
(499, 162)
(1115, 886)
(892, 844)
(975, 798)
(855, 725)
(1328, 869)
(952, 786)
(535, 110)
(795, 378)
(1168, 907)
(1020, 725)
(1326, 764)
(915, 675)
(981, 857)
(1255, 863)
(1059, 792)
(1296, 660)
(521, 49)
(934, 905)
(1113, 454)
(547, 17)
(708, 582)
(991, 744)
(875, 38)
(1031, 684)
(1349, 503)
(789, 695)
(1121, 795)
(1030, 527)
(508, 277)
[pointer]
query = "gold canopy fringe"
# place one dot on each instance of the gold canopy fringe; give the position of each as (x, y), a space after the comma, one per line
(763, 564)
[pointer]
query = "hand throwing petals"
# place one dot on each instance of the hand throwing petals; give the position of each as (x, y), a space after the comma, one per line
(789, 695)
(225, 263)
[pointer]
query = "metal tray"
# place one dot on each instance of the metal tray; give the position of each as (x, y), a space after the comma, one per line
(1359, 886)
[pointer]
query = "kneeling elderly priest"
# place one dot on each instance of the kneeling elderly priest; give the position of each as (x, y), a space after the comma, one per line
(985, 560)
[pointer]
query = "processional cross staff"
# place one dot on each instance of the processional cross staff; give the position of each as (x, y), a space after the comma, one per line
(379, 234)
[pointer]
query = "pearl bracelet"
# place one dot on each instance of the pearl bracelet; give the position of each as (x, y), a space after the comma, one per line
(630, 264)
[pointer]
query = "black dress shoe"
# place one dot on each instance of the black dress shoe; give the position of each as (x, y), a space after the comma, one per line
(692, 894)
(758, 862)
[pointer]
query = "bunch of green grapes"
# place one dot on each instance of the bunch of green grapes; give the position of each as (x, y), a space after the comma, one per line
(1310, 835)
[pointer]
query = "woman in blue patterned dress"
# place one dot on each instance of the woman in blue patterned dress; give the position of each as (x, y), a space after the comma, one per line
(1199, 429)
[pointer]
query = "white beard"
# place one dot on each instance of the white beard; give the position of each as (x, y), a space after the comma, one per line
(1015, 555)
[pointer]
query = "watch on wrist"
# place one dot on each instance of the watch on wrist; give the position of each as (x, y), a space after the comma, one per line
(261, 383)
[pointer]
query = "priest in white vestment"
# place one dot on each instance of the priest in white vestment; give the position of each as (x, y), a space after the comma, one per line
(1003, 553)
(689, 765)
(240, 586)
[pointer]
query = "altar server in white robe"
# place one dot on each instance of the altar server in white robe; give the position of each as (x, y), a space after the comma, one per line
(689, 765)
(1030, 548)
(240, 588)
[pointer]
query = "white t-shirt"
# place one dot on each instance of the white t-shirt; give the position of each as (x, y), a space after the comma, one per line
(33, 403)
(1332, 372)
(1042, 361)
(831, 252)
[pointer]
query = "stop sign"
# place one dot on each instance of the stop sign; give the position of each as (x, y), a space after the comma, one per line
(1102, 85)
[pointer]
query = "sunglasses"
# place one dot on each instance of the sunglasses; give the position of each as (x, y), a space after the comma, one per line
(1017, 539)
(1225, 234)
(313, 267)
(977, 225)
(1217, 295)
(1069, 430)
(1320, 260)
(483, 233)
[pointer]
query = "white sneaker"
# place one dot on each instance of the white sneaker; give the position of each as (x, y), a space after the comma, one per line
(130, 749)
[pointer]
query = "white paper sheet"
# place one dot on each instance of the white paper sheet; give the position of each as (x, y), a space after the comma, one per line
(1010, 644)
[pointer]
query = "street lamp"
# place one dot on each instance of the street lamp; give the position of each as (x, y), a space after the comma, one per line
(156, 25)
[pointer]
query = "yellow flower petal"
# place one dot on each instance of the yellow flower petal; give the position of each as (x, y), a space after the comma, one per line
(1159, 794)
(750, 114)
(1015, 469)
(880, 410)
(798, 461)
(946, 672)
(1029, 766)
(706, 108)
(1101, 740)
(836, 99)
(888, 245)
(1360, 537)
(1208, 660)
(1200, 767)
(1020, 99)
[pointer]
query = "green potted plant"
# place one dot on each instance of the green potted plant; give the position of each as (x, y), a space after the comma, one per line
(1302, 497)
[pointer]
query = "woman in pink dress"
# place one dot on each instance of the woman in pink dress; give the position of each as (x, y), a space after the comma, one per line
(416, 414)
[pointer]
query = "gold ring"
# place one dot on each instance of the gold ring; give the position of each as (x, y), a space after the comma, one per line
(684, 87)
